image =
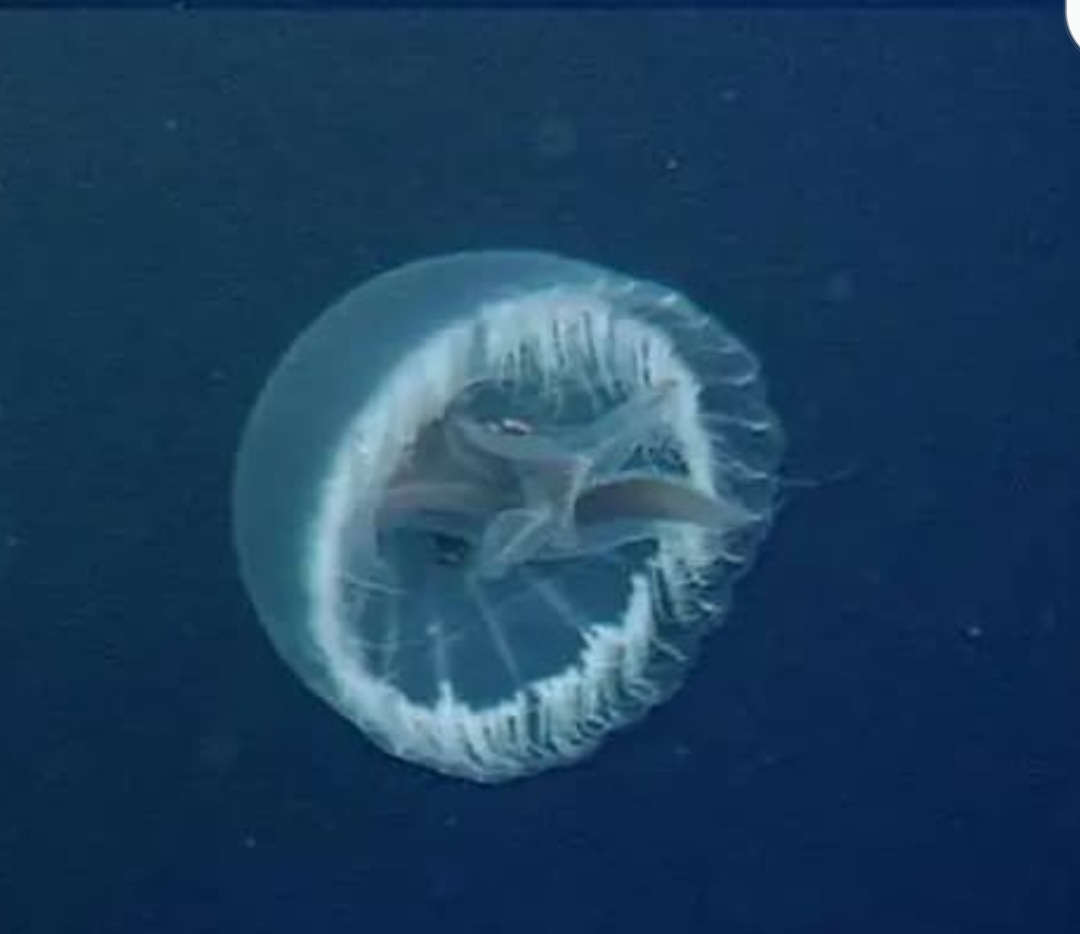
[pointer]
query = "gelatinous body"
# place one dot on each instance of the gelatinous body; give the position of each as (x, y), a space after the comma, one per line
(488, 504)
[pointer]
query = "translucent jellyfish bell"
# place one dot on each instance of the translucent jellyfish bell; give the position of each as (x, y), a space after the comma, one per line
(488, 504)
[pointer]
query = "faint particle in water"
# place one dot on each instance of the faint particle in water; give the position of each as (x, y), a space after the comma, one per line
(555, 138)
(681, 751)
(840, 286)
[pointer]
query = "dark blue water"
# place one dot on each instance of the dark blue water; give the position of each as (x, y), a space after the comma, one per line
(883, 738)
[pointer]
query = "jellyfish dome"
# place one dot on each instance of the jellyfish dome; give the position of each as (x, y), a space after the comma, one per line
(488, 504)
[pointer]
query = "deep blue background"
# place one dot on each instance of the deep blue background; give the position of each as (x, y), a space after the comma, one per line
(883, 738)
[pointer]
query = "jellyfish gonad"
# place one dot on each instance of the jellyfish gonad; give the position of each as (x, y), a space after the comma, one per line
(510, 494)
(488, 504)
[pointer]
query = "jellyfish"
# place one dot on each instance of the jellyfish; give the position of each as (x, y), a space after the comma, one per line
(488, 504)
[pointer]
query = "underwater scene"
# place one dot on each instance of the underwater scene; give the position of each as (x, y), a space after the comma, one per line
(591, 472)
